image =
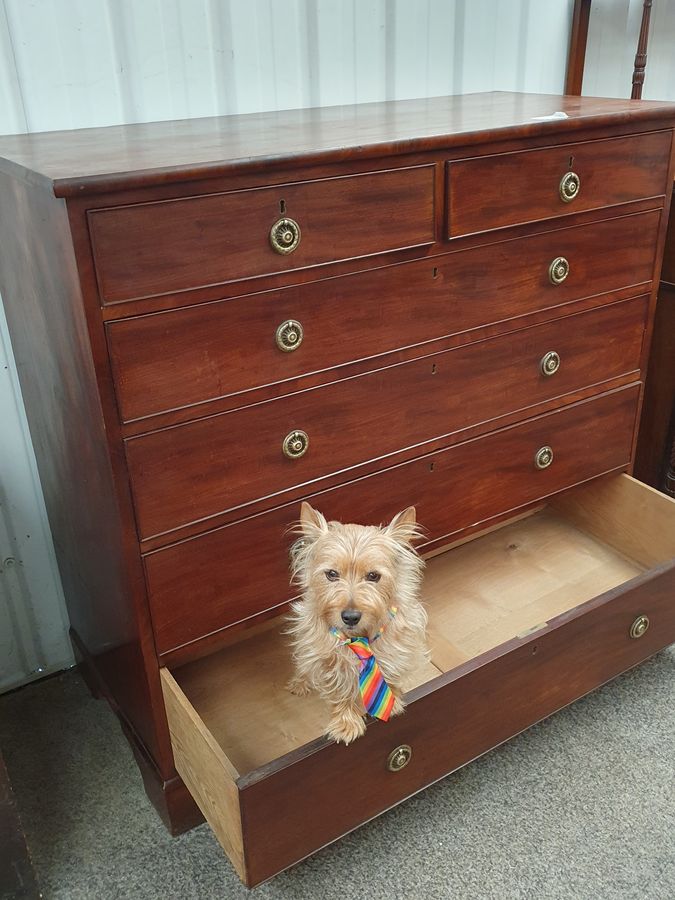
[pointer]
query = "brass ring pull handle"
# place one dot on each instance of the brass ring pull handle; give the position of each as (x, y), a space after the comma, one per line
(570, 184)
(549, 363)
(285, 236)
(543, 457)
(639, 627)
(289, 336)
(399, 758)
(295, 444)
(558, 270)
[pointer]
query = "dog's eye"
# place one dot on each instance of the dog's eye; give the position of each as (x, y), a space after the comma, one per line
(332, 575)
(373, 576)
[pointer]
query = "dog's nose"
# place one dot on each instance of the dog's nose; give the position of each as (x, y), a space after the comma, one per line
(351, 617)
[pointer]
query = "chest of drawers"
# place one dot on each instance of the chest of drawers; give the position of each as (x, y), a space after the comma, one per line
(445, 303)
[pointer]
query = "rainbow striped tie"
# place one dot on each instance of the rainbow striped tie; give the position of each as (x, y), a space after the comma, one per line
(376, 694)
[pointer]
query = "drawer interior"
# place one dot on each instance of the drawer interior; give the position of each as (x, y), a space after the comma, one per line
(504, 584)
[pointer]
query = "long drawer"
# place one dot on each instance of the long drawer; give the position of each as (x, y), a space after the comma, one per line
(204, 584)
(188, 356)
(509, 188)
(175, 245)
(193, 471)
(582, 591)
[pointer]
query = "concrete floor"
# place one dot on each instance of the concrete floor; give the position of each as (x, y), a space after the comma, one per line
(580, 807)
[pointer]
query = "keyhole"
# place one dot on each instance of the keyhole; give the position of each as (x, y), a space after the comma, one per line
(282, 206)
(431, 467)
(435, 272)
(571, 162)
(433, 369)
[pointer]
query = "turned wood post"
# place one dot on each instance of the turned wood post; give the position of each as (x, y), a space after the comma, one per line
(641, 54)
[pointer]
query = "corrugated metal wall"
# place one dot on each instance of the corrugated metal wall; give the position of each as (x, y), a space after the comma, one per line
(612, 40)
(79, 63)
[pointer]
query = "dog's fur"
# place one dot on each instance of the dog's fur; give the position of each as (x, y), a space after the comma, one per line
(351, 552)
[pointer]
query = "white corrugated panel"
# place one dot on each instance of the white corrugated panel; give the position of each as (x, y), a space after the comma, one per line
(612, 42)
(79, 63)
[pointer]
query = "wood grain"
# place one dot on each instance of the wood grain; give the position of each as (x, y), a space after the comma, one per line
(632, 517)
(204, 584)
(576, 56)
(55, 347)
(450, 722)
(240, 695)
(118, 157)
(195, 471)
(206, 771)
(195, 355)
(510, 188)
(154, 248)
(537, 602)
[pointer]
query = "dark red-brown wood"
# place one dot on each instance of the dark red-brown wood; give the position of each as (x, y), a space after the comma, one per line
(205, 584)
(52, 346)
(507, 189)
(178, 244)
(641, 52)
(193, 472)
(655, 447)
(197, 354)
(576, 56)
(447, 724)
(91, 160)
(49, 283)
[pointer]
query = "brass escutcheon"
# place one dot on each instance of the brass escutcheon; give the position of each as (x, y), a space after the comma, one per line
(639, 627)
(570, 184)
(285, 235)
(295, 444)
(289, 335)
(558, 270)
(543, 457)
(550, 363)
(399, 758)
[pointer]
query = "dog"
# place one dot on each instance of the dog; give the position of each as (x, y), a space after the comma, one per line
(356, 581)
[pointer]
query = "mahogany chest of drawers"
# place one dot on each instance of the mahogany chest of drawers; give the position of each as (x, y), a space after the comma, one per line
(445, 303)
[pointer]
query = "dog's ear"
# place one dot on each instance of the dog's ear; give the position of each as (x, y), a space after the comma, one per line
(312, 523)
(403, 527)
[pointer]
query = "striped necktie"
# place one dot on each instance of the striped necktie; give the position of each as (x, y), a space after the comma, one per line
(376, 694)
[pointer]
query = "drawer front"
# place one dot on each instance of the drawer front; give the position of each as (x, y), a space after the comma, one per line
(189, 472)
(510, 188)
(205, 584)
(183, 357)
(477, 707)
(175, 245)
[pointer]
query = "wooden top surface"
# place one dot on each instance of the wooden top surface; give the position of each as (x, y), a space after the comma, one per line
(97, 159)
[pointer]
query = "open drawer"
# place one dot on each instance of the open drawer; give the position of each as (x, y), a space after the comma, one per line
(523, 620)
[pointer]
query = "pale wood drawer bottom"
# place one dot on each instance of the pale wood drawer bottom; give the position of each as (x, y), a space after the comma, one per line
(523, 620)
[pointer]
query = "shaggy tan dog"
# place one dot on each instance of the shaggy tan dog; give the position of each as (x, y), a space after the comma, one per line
(362, 581)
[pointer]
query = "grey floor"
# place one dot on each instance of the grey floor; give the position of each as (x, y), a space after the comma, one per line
(581, 806)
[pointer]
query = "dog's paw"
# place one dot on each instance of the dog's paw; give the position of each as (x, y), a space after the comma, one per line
(347, 728)
(398, 707)
(298, 686)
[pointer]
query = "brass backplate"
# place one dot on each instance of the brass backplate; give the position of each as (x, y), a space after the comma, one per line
(399, 758)
(639, 627)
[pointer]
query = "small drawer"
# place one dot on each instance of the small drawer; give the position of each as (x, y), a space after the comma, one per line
(184, 357)
(511, 188)
(176, 245)
(544, 610)
(207, 583)
(193, 471)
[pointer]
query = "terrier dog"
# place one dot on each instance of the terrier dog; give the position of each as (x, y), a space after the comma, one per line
(357, 582)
